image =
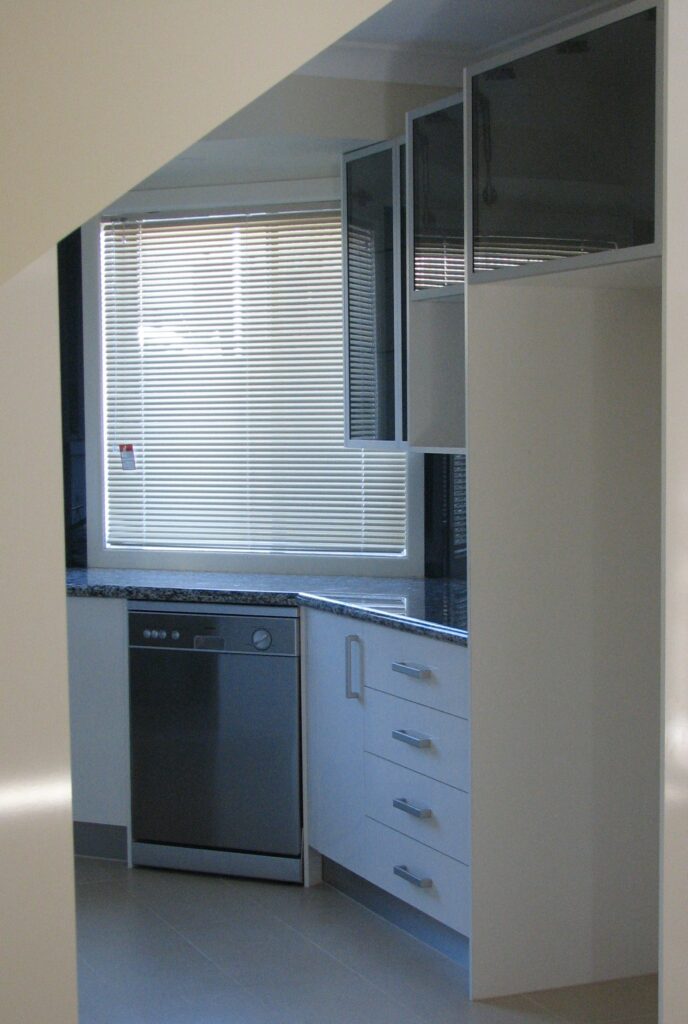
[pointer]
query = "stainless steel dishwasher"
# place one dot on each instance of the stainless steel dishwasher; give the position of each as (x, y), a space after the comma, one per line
(215, 740)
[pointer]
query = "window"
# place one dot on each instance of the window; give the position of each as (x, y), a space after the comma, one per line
(222, 364)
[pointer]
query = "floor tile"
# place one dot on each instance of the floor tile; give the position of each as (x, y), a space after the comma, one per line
(138, 955)
(295, 977)
(612, 1002)
(161, 946)
(192, 901)
(88, 870)
(426, 982)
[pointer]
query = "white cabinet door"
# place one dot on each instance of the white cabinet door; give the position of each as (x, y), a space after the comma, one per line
(99, 709)
(333, 662)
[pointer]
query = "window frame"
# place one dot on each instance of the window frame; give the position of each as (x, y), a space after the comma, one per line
(204, 202)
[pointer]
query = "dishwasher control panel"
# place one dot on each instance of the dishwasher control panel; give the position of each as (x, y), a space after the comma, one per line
(231, 634)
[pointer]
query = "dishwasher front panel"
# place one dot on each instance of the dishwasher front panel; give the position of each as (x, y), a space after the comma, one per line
(215, 749)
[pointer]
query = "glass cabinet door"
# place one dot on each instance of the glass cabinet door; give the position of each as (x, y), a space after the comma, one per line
(563, 148)
(371, 254)
(436, 199)
(402, 310)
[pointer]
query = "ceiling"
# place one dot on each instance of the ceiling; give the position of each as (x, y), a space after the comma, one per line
(423, 42)
(467, 24)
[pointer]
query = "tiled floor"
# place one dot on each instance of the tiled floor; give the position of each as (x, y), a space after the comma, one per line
(185, 949)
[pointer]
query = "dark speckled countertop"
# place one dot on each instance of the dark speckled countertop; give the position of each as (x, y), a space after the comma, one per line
(430, 607)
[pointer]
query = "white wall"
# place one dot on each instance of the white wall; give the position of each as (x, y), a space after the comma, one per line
(95, 96)
(674, 931)
(564, 508)
(37, 980)
(76, 133)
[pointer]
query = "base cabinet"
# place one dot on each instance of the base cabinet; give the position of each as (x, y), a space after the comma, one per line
(388, 767)
(334, 709)
(99, 709)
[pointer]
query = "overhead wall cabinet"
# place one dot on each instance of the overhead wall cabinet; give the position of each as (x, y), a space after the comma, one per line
(403, 204)
(564, 149)
(435, 200)
(436, 277)
(374, 291)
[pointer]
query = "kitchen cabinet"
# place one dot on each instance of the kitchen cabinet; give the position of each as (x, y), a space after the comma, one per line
(435, 184)
(333, 666)
(374, 294)
(435, 331)
(403, 206)
(388, 763)
(564, 148)
(99, 709)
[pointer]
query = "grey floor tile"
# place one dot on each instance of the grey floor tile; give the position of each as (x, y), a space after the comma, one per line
(296, 978)
(612, 1002)
(192, 901)
(138, 955)
(426, 982)
(158, 946)
(88, 870)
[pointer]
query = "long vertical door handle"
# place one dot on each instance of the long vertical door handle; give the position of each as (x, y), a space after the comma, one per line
(352, 694)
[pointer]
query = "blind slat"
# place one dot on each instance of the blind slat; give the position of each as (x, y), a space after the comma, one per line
(223, 366)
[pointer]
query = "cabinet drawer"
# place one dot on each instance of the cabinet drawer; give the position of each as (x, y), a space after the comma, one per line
(446, 892)
(418, 668)
(428, 741)
(429, 811)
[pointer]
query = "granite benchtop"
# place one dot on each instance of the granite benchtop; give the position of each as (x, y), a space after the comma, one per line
(430, 607)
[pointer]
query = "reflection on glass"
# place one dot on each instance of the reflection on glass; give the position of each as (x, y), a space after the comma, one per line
(564, 149)
(402, 291)
(370, 276)
(438, 231)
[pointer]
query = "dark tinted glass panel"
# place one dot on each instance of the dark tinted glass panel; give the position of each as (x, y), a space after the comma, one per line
(438, 233)
(370, 277)
(73, 418)
(402, 228)
(446, 541)
(564, 148)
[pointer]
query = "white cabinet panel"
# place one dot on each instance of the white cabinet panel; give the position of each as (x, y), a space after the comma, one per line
(422, 808)
(439, 744)
(418, 668)
(335, 737)
(446, 890)
(99, 709)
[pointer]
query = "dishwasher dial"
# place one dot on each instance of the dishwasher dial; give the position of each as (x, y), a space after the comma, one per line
(261, 639)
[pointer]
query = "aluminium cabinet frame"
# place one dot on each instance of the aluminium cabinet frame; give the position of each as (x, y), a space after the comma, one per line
(451, 290)
(572, 31)
(368, 443)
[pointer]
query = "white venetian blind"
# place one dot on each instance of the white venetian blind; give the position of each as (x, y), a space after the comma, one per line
(223, 367)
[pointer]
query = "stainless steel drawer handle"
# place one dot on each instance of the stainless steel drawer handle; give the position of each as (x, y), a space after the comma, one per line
(402, 804)
(414, 739)
(352, 694)
(415, 671)
(403, 872)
